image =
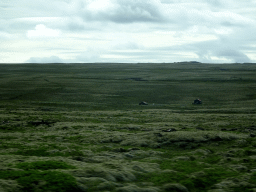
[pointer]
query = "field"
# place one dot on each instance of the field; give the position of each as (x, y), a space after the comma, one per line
(79, 127)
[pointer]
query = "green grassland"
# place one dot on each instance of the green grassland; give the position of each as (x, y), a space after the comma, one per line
(79, 127)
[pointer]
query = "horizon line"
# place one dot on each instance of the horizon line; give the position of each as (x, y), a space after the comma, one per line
(182, 62)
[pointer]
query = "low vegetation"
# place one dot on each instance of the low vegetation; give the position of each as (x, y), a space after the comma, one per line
(79, 127)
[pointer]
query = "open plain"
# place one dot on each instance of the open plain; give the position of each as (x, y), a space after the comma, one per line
(79, 127)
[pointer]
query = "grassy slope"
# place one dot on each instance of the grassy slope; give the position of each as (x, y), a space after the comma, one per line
(87, 117)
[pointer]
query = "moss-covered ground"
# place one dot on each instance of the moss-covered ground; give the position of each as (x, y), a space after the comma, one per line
(79, 127)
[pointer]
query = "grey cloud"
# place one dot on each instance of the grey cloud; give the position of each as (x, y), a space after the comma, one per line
(211, 51)
(77, 14)
(137, 11)
(81, 16)
(222, 56)
(52, 59)
(208, 51)
(125, 12)
(234, 55)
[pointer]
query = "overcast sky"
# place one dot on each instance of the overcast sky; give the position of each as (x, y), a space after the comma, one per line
(82, 31)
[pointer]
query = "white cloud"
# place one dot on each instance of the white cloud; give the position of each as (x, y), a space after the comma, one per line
(42, 31)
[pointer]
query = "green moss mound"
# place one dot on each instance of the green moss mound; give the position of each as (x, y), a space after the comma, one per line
(32, 179)
(44, 165)
(42, 180)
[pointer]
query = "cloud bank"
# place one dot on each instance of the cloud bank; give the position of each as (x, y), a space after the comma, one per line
(52, 59)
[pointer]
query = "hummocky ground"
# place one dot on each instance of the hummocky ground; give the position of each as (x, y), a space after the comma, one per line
(79, 127)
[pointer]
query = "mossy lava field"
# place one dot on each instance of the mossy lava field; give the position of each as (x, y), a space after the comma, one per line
(79, 127)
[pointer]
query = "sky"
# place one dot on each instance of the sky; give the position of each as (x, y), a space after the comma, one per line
(127, 31)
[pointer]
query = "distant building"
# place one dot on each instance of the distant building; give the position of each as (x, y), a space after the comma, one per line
(197, 102)
(143, 103)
